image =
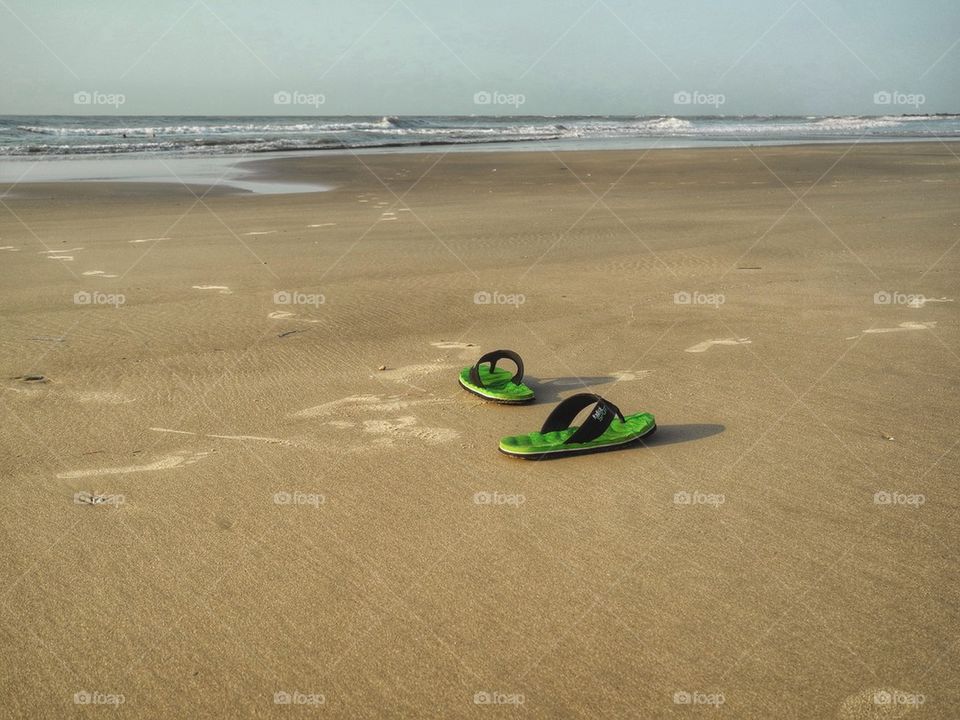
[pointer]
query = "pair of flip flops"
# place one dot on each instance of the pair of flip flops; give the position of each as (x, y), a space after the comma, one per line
(606, 428)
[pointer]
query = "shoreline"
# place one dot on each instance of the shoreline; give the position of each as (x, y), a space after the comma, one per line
(265, 173)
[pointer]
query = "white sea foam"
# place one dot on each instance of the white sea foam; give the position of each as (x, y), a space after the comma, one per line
(49, 135)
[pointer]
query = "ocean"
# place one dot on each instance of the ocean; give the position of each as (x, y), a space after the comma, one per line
(113, 135)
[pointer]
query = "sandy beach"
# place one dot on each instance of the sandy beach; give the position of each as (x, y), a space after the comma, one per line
(240, 471)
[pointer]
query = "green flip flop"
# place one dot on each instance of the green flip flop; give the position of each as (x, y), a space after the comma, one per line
(492, 383)
(605, 429)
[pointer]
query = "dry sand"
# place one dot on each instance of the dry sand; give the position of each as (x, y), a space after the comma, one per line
(378, 580)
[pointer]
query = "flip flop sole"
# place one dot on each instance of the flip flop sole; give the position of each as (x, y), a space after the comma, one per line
(495, 398)
(580, 451)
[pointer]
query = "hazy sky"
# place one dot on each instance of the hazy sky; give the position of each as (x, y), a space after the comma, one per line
(432, 56)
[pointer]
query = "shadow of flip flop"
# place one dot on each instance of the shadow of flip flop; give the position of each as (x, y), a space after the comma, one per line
(671, 434)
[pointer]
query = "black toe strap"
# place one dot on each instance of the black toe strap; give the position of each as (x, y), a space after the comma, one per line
(492, 358)
(600, 417)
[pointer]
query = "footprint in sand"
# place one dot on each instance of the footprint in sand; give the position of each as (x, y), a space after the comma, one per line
(223, 289)
(260, 232)
(318, 225)
(355, 404)
(58, 251)
(409, 427)
(143, 240)
(165, 463)
(258, 438)
(919, 302)
(900, 328)
(65, 258)
(286, 315)
(11, 248)
(100, 273)
(406, 427)
(707, 344)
